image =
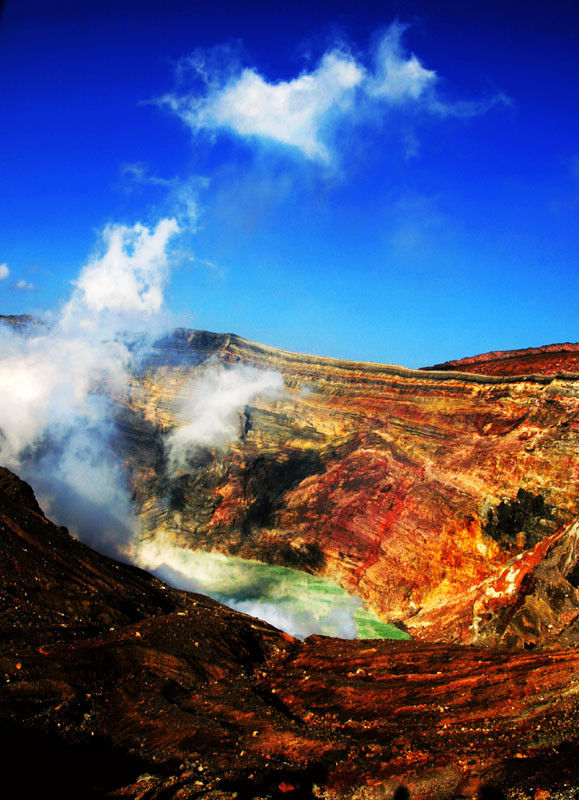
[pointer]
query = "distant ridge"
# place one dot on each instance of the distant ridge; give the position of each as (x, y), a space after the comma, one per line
(21, 323)
(17, 320)
(549, 359)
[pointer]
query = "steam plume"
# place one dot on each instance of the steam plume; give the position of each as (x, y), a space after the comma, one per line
(295, 602)
(209, 407)
(61, 385)
(58, 381)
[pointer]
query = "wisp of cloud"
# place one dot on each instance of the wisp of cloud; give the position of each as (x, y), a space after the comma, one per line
(304, 114)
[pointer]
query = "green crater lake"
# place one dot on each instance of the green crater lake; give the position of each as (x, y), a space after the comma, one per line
(294, 601)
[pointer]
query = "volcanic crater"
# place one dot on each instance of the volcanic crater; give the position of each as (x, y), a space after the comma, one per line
(446, 500)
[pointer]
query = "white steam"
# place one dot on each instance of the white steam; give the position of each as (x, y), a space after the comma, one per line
(61, 388)
(58, 381)
(295, 602)
(209, 406)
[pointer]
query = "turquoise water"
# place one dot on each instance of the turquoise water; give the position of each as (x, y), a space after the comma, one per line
(294, 601)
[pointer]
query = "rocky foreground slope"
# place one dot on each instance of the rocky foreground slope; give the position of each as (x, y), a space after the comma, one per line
(448, 501)
(115, 685)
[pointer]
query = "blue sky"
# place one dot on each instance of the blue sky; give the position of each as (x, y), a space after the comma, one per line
(389, 181)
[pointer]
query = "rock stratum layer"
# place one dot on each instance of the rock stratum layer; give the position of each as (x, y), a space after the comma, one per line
(115, 685)
(448, 501)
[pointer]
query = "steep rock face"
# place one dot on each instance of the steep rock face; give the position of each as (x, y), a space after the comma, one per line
(435, 496)
(115, 685)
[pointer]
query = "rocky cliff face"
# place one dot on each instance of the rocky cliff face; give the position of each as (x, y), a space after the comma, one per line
(446, 500)
(115, 685)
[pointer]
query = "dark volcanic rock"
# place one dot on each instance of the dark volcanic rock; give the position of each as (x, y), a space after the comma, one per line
(115, 685)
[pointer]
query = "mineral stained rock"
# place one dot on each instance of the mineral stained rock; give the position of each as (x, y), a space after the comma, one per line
(551, 359)
(115, 685)
(448, 501)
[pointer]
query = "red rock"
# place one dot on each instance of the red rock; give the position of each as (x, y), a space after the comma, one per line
(550, 359)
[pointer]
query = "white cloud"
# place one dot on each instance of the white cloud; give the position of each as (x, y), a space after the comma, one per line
(4, 271)
(129, 277)
(291, 113)
(139, 173)
(24, 286)
(303, 113)
(398, 78)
